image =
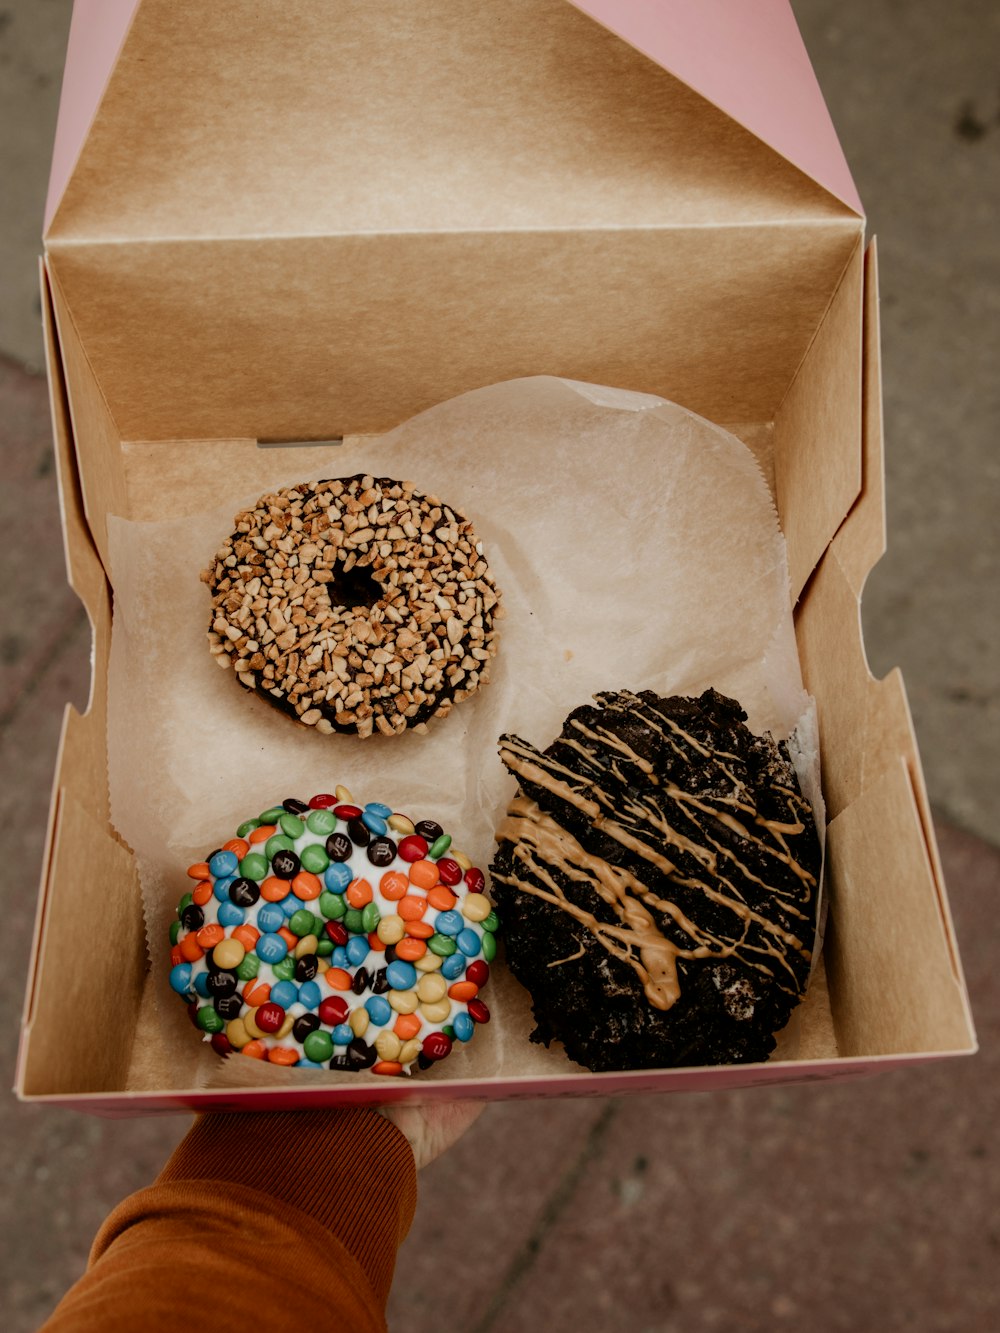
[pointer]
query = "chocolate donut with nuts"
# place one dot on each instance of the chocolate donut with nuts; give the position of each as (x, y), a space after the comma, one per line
(658, 878)
(356, 604)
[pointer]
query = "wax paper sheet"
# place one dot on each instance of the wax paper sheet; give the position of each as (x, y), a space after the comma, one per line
(636, 546)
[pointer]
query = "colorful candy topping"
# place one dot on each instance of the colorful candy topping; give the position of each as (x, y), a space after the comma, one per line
(327, 933)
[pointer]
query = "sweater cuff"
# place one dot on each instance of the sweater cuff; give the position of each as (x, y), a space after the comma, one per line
(350, 1170)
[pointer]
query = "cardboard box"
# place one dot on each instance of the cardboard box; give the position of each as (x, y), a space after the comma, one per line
(287, 222)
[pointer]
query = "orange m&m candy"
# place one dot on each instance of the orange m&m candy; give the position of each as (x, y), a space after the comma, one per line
(424, 874)
(441, 898)
(393, 885)
(359, 893)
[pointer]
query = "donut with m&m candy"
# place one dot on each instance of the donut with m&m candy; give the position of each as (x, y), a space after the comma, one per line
(329, 934)
(356, 604)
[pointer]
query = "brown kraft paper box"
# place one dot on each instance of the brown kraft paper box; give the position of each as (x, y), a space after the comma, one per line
(358, 214)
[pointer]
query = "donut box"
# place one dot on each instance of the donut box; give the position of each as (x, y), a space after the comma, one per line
(627, 194)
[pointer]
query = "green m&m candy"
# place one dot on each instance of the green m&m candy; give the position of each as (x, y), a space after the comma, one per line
(332, 905)
(254, 866)
(314, 859)
(284, 970)
(208, 1019)
(249, 967)
(321, 822)
(291, 826)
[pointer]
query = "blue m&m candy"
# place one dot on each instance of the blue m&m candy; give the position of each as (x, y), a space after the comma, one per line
(223, 864)
(449, 923)
(454, 967)
(221, 888)
(180, 978)
(463, 1025)
(285, 993)
(357, 949)
(270, 918)
(379, 1009)
(337, 877)
(400, 975)
(468, 941)
(271, 948)
(230, 914)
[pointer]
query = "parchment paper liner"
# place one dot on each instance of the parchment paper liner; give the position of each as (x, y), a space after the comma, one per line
(636, 546)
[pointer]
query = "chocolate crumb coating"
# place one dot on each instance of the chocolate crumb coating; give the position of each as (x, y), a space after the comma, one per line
(657, 874)
(357, 604)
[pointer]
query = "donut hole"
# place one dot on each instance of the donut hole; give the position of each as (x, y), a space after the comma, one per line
(354, 588)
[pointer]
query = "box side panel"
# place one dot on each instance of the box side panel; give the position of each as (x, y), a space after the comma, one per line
(888, 954)
(80, 801)
(343, 335)
(101, 995)
(388, 1091)
(381, 115)
(817, 431)
(867, 743)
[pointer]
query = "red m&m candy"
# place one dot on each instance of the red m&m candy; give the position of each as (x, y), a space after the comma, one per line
(478, 973)
(333, 1010)
(436, 1046)
(269, 1017)
(413, 848)
(449, 871)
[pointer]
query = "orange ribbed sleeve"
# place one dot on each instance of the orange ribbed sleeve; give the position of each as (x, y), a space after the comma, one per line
(268, 1221)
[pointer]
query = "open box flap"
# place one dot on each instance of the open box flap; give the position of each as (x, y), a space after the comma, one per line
(327, 228)
(96, 32)
(750, 61)
(440, 117)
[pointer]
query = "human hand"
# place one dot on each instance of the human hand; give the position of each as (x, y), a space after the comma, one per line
(433, 1128)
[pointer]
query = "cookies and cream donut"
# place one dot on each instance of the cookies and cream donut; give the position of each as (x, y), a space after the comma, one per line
(356, 605)
(658, 876)
(331, 934)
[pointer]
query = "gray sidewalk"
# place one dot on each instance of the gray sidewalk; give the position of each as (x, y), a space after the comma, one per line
(867, 1206)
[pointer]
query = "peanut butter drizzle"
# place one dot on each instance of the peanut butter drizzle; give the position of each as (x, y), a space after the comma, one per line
(776, 827)
(541, 842)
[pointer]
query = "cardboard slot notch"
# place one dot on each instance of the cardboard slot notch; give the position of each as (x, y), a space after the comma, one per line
(816, 427)
(94, 491)
(860, 541)
(84, 569)
(334, 442)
